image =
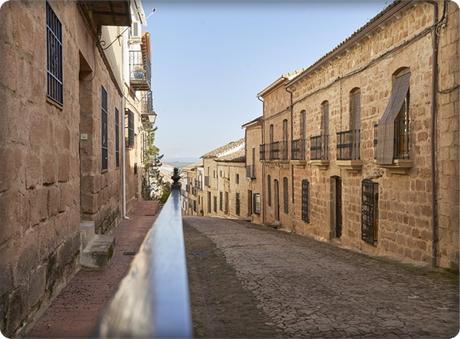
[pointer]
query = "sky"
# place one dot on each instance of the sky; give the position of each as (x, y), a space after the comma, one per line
(209, 61)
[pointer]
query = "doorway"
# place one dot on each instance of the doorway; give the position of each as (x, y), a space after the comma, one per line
(336, 202)
(277, 201)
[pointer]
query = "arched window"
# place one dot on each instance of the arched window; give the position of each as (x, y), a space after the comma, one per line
(393, 127)
(355, 111)
(401, 124)
(302, 127)
(325, 118)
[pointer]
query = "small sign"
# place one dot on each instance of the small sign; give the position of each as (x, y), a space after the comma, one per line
(83, 136)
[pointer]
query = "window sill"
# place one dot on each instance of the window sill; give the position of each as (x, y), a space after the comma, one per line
(54, 103)
(350, 165)
(399, 166)
(104, 171)
(322, 164)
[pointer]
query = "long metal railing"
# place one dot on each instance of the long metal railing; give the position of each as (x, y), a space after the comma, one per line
(152, 301)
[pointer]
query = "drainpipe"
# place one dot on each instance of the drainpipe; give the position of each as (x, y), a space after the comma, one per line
(290, 147)
(263, 164)
(434, 79)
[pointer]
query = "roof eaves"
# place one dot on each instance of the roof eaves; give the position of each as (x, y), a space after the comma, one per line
(364, 30)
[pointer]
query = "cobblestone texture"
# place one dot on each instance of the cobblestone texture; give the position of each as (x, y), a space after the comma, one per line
(301, 287)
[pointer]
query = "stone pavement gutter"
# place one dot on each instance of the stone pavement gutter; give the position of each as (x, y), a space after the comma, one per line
(77, 309)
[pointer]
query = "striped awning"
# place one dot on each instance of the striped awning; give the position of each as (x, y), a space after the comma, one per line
(385, 146)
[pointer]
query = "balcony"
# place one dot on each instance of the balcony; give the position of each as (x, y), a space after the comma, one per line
(274, 150)
(251, 172)
(319, 151)
(401, 160)
(107, 13)
(139, 71)
(298, 149)
(262, 150)
(348, 150)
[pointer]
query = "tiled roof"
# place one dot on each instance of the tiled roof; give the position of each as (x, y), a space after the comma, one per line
(226, 149)
(286, 76)
(252, 121)
(353, 37)
(192, 166)
(238, 156)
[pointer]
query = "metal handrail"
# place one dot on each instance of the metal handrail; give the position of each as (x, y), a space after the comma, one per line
(153, 299)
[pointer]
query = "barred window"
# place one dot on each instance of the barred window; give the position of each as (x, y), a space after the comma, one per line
(221, 201)
(54, 56)
(369, 211)
(305, 200)
(130, 136)
(215, 204)
(269, 190)
(104, 141)
(237, 204)
(257, 203)
(286, 195)
(117, 138)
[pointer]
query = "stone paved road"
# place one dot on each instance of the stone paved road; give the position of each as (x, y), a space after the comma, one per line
(249, 280)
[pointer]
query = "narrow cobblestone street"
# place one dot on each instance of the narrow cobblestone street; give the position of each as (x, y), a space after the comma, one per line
(250, 280)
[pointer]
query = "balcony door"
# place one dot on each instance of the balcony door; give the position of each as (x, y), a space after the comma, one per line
(277, 201)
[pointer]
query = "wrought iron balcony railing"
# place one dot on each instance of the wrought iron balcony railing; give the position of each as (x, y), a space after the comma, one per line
(139, 71)
(319, 147)
(400, 143)
(284, 150)
(348, 145)
(152, 301)
(262, 151)
(250, 171)
(275, 150)
(298, 149)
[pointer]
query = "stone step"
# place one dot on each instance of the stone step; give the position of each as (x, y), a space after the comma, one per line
(98, 251)
(87, 233)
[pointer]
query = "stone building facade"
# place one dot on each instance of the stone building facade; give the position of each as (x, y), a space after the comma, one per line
(60, 143)
(349, 156)
(218, 186)
(254, 176)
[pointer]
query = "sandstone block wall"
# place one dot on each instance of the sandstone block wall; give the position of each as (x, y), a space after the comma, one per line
(40, 181)
(253, 140)
(404, 220)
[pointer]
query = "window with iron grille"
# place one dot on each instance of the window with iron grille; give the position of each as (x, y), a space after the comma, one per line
(117, 138)
(256, 203)
(215, 204)
(104, 141)
(221, 201)
(130, 141)
(369, 211)
(305, 200)
(54, 56)
(269, 190)
(286, 195)
(237, 204)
